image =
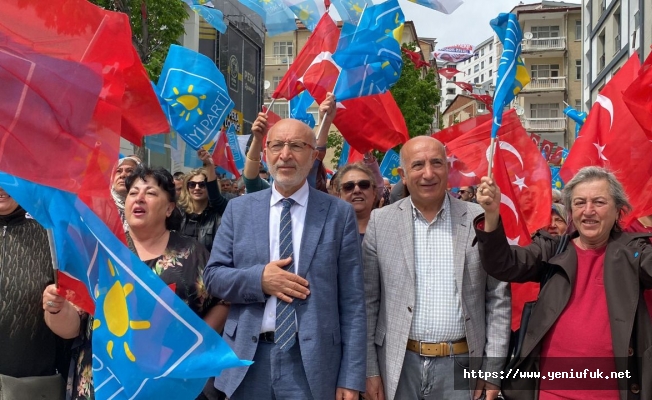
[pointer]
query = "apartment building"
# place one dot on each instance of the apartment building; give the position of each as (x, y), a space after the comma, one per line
(613, 30)
(552, 53)
(480, 71)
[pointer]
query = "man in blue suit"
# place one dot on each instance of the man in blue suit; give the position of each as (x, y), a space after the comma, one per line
(288, 260)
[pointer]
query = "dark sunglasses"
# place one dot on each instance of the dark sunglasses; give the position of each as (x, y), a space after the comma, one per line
(192, 185)
(463, 191)
(363, 185)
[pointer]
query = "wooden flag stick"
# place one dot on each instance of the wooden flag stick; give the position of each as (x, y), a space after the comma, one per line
(270, 106)
(491, 155)
(53, 254)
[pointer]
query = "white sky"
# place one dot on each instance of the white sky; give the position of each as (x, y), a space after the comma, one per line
(469, 24)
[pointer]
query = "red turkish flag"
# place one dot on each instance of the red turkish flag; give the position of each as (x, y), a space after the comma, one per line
(612, 138)
(638, 97)
(313, 64)
(371, 122)
(272, 119)
(486, 99)
(223, 157)
(448, 72)
(536, 139)
(415, 58)
(556, 156)
(465, 85)
(456, 170)
(546, 149)
(528, 171)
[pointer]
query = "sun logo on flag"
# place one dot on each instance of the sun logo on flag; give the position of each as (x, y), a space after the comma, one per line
(355, 7)
(395, 171)
(188, 101)
(305, 13)
(116, 313)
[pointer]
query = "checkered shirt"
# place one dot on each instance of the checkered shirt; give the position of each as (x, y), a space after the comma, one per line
(438, 311)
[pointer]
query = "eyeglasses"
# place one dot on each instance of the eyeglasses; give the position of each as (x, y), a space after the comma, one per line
(296, 146)
(463, 191)
(192, 185)
(363, 185)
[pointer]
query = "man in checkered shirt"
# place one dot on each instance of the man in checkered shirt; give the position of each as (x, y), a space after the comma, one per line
(431, 309)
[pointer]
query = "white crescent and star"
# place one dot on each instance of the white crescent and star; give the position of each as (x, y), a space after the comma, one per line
(606, 103)
(600, 151)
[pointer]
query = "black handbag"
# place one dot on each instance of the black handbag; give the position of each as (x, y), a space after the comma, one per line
(517, 337)
(32, 388)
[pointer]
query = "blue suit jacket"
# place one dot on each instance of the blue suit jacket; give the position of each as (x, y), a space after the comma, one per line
(332, 319)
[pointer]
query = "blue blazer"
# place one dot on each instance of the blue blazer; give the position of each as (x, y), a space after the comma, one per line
(331, 320)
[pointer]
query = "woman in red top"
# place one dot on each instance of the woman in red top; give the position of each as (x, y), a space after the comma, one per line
(590, 319)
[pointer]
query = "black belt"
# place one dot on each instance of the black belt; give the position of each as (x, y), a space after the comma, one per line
(267, 337)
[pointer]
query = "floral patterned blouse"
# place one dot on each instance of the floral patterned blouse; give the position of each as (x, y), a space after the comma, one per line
(181, 267)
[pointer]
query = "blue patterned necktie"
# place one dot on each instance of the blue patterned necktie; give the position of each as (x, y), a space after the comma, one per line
(286, 325)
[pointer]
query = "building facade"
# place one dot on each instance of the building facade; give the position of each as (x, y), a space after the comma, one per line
(479, 70)
(612, 30)
(552, 53)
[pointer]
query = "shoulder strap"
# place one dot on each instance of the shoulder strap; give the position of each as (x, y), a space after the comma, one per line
(561, 247)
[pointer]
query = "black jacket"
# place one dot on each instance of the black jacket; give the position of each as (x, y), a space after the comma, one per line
(203, 226)
(27, 346)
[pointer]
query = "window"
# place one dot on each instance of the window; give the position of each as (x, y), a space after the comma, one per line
(283, 49)
(491, 46)
(578, 105)
(482, 65)
(545, 71)
(578, 29)
(578, 70)
(482, 52)
(468, 72)
(637, 19)
(490, 73)
(275, 81)
(281, 110)
(544, 110)
(476, 68)
(543, 32)
(449, 102)
(491, 60)
(476, 80)
(481, 106)
(481, 77)
(450, 91)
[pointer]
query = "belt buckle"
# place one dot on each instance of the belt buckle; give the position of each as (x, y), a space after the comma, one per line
(439, 352)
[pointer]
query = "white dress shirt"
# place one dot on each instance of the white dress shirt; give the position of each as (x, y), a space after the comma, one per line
(298, 213)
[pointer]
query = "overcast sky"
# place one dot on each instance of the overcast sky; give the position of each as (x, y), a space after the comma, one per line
(469, 24)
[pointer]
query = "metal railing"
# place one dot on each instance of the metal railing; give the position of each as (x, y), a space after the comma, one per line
(542, 84)
(279, 60)
(544, 124)
(553, 43)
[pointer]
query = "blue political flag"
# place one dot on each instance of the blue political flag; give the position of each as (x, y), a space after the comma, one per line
(557, 183)
(308, 11)
(344, 155)
(232, 138)
(196, 100)
(299, 108)
(389, 166)
(564, 155)
(190, 158)
(147, 343)
(578, 116)
(370, 56)
(512, 75)
(350, 10)
(211, 15)
(278, 18)
(155, 143)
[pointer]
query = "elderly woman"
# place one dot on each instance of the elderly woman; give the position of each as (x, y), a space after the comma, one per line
(151, 212)
(592, 304)
(356, 184)
(201, 203)
(124, 167)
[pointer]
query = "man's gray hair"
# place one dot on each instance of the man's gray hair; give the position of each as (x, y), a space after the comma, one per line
(590, 174)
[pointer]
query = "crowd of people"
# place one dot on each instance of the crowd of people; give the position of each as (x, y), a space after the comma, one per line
(350, 287)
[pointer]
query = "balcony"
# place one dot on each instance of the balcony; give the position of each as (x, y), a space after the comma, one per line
(545, 84)
(279, 60)
(544, 124)
(544, 44)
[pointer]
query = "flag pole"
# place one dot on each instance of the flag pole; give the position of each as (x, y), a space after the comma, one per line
(567, 105)
(491, 155)
(53, 254)
(360, 19)
(321, 127)
(270, 106)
